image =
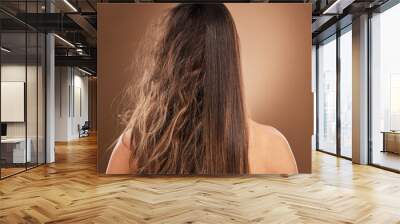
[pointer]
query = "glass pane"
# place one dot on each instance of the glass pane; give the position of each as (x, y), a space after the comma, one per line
(346, 94)
(32, 95)
(13, 89)
(314, 84)
(327, 96)
(385, 93)
(41, 98)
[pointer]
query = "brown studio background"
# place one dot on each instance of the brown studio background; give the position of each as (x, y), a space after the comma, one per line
(275, 44)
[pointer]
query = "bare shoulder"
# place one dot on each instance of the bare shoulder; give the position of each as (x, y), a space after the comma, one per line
(271, 150)
(119, 162)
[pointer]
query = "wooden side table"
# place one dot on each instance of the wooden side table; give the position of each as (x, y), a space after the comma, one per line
(391, 141)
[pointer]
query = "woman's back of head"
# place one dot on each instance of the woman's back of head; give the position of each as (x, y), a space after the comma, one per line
(189, 115)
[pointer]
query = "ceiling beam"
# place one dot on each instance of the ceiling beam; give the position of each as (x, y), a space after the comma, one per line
(84, 24)
(81, 61)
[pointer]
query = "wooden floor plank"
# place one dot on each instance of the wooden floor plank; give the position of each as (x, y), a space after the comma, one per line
(70, 191)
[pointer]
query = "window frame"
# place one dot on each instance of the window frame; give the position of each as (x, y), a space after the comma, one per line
(381, 9)
(334, 37)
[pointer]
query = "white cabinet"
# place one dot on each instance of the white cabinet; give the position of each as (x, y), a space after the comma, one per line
(17, 148)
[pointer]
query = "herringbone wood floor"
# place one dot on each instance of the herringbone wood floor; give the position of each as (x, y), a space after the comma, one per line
(70, 191)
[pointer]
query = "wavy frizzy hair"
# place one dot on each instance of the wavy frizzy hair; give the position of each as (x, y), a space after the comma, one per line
(189, 115)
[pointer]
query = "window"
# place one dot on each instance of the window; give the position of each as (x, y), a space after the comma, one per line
(327, 96)
(22, 79)
(346, 93)
(385, 89)
(334, 94)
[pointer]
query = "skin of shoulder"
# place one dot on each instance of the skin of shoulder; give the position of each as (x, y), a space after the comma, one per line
(119, 162)
(269, 151)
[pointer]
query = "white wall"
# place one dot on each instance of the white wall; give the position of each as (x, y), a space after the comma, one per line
(80, 110)
(12, 73)
(62, 81)
(9, 73)
(69, 85)
(33, 127)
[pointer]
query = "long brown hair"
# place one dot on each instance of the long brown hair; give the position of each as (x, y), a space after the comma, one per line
(189, 115)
